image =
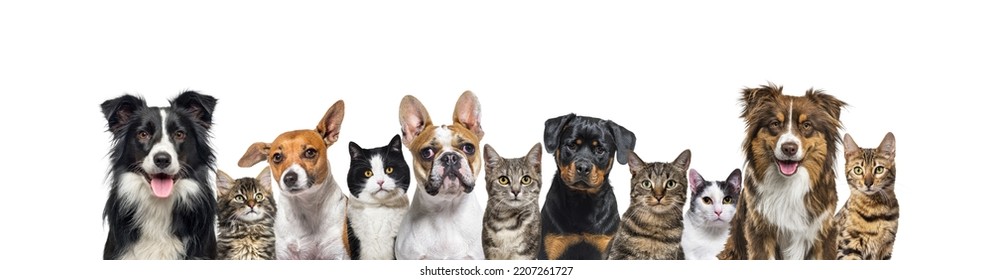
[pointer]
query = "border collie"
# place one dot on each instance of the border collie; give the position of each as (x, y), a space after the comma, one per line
(160, 204)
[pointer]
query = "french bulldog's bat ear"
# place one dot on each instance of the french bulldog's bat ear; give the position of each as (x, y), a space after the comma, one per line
(624, 139)
(329, 127)
(200, 106)
(119, 111)
(468, 112)
(552, 131)
(256, 153)
(413, 119)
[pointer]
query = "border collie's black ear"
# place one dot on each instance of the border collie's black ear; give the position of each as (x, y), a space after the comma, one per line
(199, 106)
(625, 141)
(119, 111)
(552, 129)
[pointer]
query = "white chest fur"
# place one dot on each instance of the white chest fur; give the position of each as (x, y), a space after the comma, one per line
(441, 229)
(783, 204)
(311, 225)
(703, 243)
(376, 228)
(154, 217)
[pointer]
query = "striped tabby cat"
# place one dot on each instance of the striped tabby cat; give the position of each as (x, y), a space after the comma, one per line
(511, 227)
(245, 211)
(868, 221)
(651, 228)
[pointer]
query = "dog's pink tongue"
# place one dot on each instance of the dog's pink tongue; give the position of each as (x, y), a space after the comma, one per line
(788, 167)
(162, 187)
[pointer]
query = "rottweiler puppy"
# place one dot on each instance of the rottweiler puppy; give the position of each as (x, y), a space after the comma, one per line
(580, 214)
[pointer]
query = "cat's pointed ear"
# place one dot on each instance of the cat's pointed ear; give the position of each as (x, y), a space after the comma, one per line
(534, 156)
(552, 130)
(492, 158)
(888, 145)
(413, 118)
(624, 139)
(683, 160)
(396, 144)
(119, 111)
(468, 112)
(265, 178)
(735, 180)
(634, 162)
(696, 181)
(354, 150)
(850, 147)
(256, 153)
(224, 182)
(329, 126)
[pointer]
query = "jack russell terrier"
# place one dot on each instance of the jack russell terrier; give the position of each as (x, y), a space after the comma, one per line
(310, 223)
(445, 219)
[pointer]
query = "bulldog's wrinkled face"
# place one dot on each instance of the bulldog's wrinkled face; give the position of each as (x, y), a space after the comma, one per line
(446, 158)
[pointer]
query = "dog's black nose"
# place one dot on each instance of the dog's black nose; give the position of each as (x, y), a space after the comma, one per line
(162, 160)
(790, 148)
(583, 168)
(289, 179)
(451, 159)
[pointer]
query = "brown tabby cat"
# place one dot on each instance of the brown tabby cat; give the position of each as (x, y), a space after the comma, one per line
(651, 228)
(245, 212)
(868, 221)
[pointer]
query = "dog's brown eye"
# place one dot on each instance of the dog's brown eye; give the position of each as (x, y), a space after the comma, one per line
(707, 200)
(179, 135)
(726, 200)
(142, 135)
(525, 180)
(468, 149)
(389, 170)
(310, 153)
(427, 153)
(368, 173)
(858, 170)
(879, 170)
(775, 124)
(503, 180)
(277, 158)
(807, 125)
(570, 146)
(600, 151)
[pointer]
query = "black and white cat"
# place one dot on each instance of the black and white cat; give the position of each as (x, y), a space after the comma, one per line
(711, 208)
(378, 180)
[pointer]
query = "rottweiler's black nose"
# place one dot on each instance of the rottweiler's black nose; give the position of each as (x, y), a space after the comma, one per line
(289, 179)
(583, 168)
(162, 160)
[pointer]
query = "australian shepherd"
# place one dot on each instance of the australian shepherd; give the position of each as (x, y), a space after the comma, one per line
(789, 193)
(160, 204)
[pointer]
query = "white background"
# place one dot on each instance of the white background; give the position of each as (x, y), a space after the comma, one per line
(669, 72)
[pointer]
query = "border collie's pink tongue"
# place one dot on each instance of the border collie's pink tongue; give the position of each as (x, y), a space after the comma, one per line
(162, 186)
(788, 167)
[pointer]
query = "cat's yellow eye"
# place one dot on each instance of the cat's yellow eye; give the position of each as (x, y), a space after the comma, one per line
(879, 170)
(368, 173)
(707, 200)
(239, 198)
(858, 170)
(670, 184)
(646, 184)
(259, 197)
(389, 170)
(525, 180)
(726, 200)
(503, 180)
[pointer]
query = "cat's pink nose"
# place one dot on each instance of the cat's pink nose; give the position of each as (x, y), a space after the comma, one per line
(380, 182)
(718, 212)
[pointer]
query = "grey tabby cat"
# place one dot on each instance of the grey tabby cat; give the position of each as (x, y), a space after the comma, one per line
(868, 221)
(651, 228)
(245, 211)
(511, 226)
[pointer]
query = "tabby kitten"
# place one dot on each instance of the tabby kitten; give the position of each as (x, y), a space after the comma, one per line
(377, 179)
(511, 225)
(245, 212)
(651, 228)
(868, 221)
(711, 208)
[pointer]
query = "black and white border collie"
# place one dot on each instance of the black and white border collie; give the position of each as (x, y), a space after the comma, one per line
(160, 204)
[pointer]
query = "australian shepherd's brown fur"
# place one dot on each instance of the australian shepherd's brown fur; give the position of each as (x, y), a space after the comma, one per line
(790, 193)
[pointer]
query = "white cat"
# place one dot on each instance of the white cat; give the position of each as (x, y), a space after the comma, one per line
(711, 208)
